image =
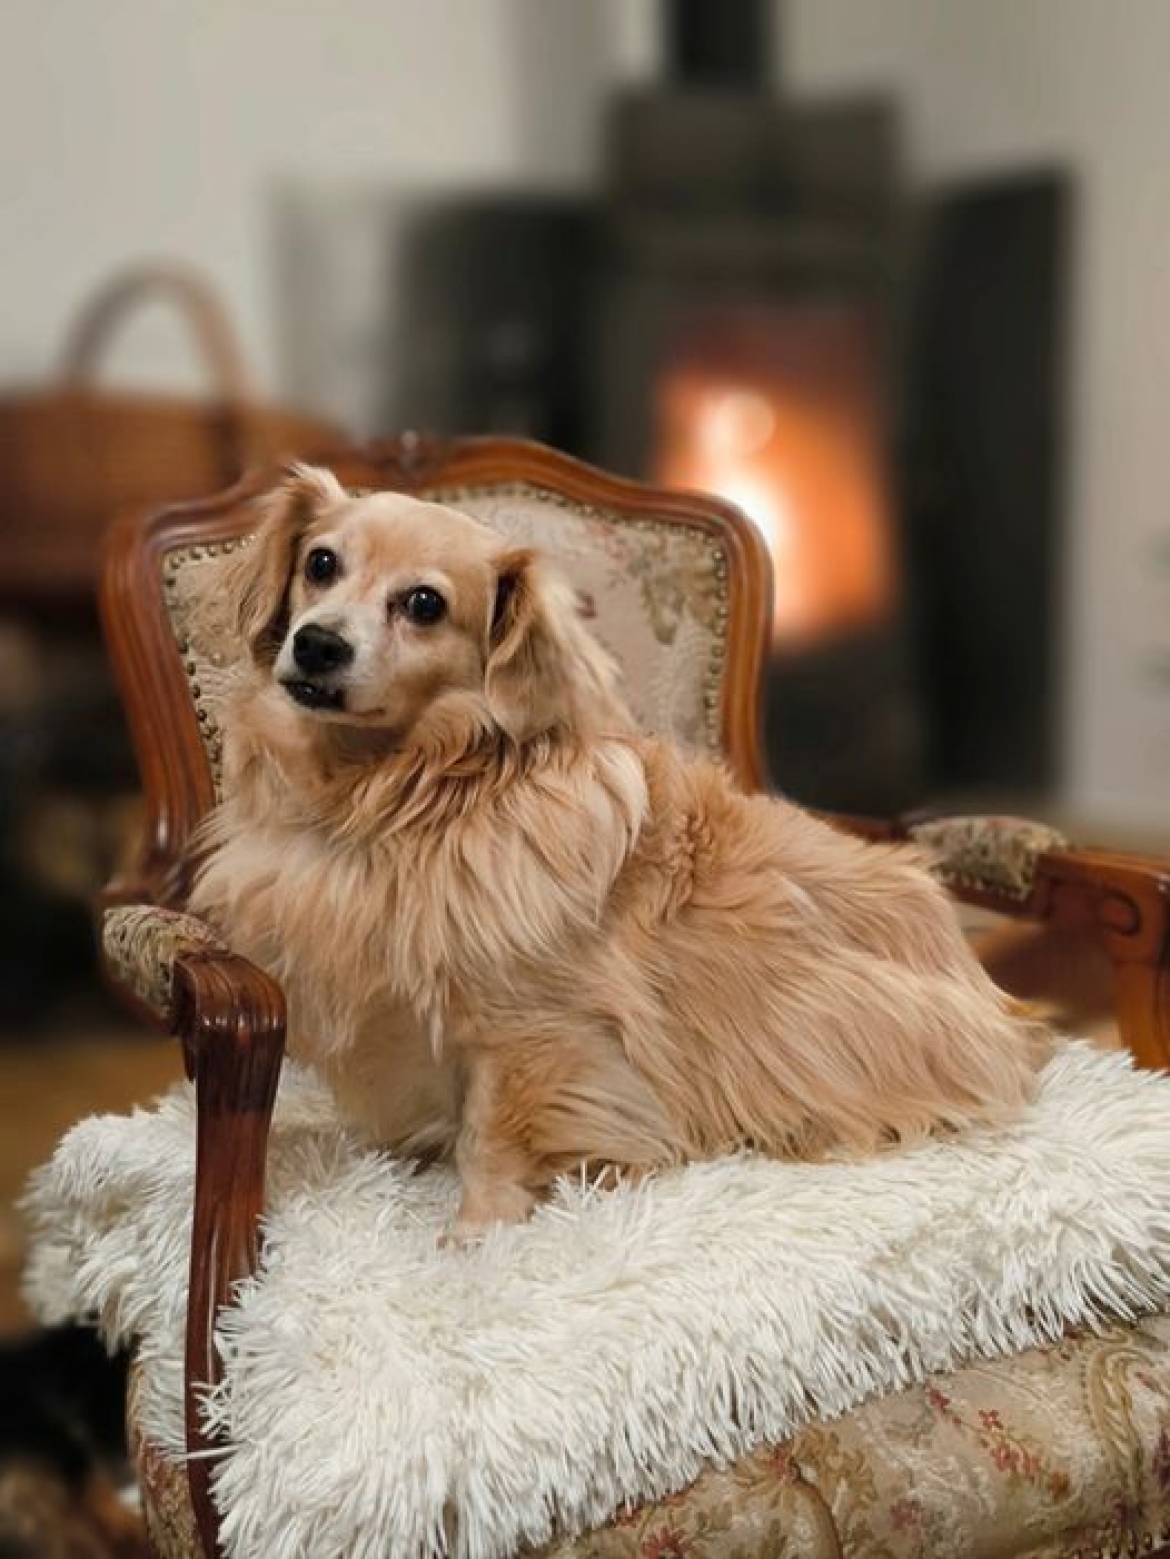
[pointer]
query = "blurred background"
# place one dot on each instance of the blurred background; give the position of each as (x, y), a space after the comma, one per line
(893, 275)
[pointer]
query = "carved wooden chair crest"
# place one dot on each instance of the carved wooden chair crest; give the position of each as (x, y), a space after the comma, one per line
(677, 587)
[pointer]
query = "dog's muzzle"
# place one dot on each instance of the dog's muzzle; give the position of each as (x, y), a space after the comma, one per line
(318, 653)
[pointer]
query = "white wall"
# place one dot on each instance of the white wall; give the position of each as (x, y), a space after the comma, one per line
(140, 127)
(1004, 83)
(131, 127)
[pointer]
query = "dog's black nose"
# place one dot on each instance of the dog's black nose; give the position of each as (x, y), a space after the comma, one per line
(318, 650)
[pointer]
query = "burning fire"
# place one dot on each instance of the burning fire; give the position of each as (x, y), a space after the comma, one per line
(779, 415)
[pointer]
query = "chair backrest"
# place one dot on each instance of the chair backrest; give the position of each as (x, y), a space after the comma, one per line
(677, 587)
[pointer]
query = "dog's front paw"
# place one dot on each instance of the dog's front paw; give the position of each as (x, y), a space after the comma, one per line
(478, 1211)
(461, 1233)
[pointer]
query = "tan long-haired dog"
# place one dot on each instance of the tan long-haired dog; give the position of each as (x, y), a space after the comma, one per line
(512, 928)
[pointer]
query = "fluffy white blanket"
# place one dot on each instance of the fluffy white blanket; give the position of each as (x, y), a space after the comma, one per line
(387, 1397)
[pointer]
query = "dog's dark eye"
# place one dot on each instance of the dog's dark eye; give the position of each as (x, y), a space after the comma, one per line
(321, 566)
(424, 605)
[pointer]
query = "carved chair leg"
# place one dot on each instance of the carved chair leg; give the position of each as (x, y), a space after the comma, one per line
(234, 1030)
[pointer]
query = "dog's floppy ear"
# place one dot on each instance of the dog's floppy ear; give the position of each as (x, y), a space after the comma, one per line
(544, 671)
(257, 585)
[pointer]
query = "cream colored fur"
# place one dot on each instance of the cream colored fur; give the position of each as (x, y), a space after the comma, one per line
(512, 928)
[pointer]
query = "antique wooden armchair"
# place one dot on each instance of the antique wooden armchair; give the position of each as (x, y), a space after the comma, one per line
(679, 586)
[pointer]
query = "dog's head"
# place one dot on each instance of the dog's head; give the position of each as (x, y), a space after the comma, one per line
(374, 610)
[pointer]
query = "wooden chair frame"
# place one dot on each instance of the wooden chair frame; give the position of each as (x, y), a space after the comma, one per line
(230, 1016)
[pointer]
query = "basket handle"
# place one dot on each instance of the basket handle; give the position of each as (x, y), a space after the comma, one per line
(195, 300)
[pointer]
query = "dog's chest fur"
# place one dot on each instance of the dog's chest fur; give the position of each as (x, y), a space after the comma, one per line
(413, 921)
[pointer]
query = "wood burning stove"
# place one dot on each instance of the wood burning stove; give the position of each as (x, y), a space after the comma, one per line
(730, 312)
(746, 337)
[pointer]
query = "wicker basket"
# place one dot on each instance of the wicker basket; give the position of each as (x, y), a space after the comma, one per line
(74, 455)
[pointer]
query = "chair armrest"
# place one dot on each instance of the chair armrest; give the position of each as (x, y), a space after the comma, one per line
(230, 1018)
(1021, 868)
(992, 861)
(141, 944)
(1124, 901)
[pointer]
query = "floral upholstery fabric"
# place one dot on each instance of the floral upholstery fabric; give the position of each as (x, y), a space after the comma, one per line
(141, 942)
(655, 592)
(998, 854)
(1059, 1453)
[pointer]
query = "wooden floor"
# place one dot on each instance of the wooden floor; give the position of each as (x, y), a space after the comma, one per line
(90, 1064)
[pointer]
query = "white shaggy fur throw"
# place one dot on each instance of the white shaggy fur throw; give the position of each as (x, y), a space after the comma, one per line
(386, 1397)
